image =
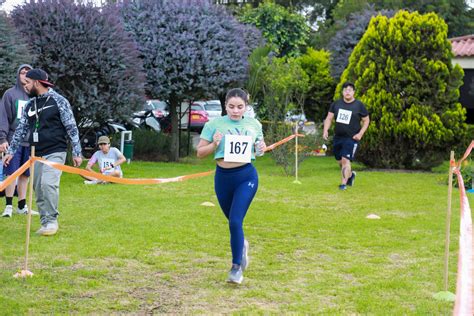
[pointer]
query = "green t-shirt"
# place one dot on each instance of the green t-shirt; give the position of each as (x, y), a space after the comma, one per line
(226, 126)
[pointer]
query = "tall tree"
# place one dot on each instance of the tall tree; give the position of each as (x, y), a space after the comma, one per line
(191, 49)
(13, 52)
(285, 31)
(456, 13)
(403, 73)
(88, 55)
(344, 41)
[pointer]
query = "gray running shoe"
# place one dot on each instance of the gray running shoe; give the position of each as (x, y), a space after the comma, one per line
(235, 275)
(48, 229)
(8, 211)
(245, 255)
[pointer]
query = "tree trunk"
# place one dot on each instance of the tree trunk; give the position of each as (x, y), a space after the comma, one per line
(222, 99)
(173, 154)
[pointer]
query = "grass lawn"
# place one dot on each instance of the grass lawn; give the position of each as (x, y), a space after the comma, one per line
(155, 249)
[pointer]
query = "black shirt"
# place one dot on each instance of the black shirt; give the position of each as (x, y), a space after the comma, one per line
(348, 117)
(44, 119)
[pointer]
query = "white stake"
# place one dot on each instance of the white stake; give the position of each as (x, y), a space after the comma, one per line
(446, 295)
(296, 155)
(448, 221)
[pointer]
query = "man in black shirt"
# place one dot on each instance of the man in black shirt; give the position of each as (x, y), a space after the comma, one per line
(348, 113)
(50, 122)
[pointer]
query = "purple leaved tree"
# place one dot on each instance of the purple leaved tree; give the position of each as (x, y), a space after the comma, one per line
(89, 56)
(191, 49)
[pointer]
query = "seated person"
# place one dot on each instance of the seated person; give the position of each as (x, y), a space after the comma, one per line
(109, 160)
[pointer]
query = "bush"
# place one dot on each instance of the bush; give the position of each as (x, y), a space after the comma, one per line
(321, 85)
(284, 155)
(152, 146)
(403, 73)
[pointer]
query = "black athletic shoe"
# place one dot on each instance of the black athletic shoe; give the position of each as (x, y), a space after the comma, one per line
(351, 180)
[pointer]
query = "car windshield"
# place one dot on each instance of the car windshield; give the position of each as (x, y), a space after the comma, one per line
(196, 107)
(158, 105)
(213, 107)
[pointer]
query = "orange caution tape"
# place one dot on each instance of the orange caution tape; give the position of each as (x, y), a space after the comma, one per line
(466, 154)
(100, 176)
(281, 142)
(14, 175)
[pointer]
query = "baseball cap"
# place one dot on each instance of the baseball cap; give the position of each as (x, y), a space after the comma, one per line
(40, 75)
(103, 140)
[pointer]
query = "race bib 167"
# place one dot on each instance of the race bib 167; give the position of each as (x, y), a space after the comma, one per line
(238, 148)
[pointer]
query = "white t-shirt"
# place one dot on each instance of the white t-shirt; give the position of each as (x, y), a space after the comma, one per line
(106, 160)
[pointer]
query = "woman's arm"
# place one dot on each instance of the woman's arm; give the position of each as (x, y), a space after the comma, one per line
(205, 147)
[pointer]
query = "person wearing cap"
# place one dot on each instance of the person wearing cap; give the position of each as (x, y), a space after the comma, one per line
(352, 120)
(11, 106)
(109, 160)
(50, 123)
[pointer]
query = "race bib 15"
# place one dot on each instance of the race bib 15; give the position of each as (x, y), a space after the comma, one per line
(106, 163)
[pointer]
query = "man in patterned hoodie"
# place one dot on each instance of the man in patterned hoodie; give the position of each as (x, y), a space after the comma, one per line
(50, 122)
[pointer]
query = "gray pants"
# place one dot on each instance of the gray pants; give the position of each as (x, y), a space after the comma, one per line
(46, 185)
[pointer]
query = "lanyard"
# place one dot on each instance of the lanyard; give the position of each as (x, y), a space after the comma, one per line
(36, 112)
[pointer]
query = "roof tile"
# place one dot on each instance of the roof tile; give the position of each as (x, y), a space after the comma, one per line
(463, 46)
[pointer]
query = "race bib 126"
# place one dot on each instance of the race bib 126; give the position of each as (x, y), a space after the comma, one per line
(344, 116)
(238, 148)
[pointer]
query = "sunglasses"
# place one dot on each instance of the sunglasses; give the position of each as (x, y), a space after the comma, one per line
(103, 144)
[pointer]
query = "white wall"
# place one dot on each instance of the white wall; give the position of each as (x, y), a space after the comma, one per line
(464, 62)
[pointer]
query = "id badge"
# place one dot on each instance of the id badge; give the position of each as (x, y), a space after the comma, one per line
(35, 137)
(238, 148)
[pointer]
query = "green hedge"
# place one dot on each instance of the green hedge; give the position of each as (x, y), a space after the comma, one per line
(152, 146)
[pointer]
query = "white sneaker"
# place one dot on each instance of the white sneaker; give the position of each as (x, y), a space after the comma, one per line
(90, 182)
(48, 230)
(8, 211)
(24, 211)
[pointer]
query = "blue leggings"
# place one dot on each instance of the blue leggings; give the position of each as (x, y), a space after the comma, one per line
(235, 189)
